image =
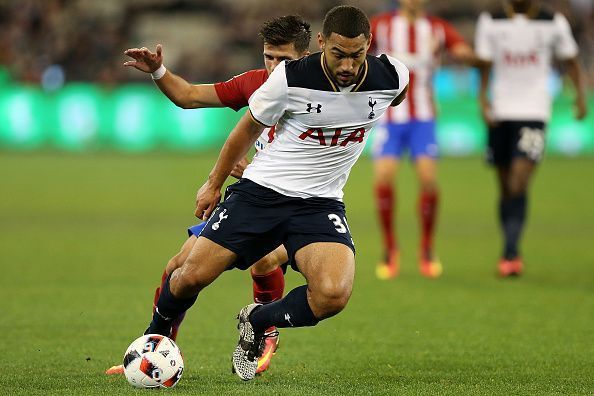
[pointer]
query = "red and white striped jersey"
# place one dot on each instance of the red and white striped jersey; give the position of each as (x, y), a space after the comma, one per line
(418, 45)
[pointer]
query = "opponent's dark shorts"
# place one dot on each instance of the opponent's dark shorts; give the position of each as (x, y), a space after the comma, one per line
(254, 220)
(516, 139)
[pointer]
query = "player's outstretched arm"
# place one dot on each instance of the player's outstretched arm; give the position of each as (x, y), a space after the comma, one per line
(463, 53)
(574, 70)
(178, 90)
(241, 139)
(485, 104)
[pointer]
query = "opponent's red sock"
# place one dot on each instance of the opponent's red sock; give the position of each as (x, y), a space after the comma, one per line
(428, 203)
(269, 287)
(385, 202)
(158, 290)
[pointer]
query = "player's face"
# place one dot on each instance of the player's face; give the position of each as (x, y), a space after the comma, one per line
(344, 56)
(275, 54)
(521, 4)
(413, 5)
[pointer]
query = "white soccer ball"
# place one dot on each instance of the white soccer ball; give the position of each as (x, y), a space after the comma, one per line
(153, 361)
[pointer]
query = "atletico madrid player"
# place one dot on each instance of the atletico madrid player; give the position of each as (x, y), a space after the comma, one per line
(418, 40)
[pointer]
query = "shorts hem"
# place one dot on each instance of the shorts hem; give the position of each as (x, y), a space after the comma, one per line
(292, 250)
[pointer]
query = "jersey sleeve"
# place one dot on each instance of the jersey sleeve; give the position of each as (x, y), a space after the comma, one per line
(565, 46)
(270, 101)
(483, 43)
(230, 93)
(402, 71)
(235, 92)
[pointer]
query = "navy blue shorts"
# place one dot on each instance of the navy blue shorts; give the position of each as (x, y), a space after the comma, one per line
(516, 139)
(254, 220)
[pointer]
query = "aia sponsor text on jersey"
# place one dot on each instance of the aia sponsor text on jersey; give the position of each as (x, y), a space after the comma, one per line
(512, 58)
(326, 137)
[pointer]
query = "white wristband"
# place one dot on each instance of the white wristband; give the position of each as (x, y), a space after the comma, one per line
(159, 73)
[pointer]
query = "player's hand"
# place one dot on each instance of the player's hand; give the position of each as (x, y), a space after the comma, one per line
(144, 59)
(581, 109)
(207, 199)
(237, 172)
(486, 112)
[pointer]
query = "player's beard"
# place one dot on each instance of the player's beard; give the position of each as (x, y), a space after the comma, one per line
(345, 79)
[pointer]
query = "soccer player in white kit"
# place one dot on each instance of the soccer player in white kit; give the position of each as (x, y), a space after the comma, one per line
(324, 106)
(283, 38)
(519, 44)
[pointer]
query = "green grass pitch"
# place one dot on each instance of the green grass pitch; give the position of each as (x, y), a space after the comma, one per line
(84, 238)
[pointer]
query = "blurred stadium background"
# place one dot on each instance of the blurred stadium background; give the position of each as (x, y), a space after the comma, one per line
(62, 84)
(98, 172)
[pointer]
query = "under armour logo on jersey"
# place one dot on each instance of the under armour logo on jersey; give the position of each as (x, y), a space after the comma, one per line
(288, 319)
(318, 108)
(222, 217)
(371, 103)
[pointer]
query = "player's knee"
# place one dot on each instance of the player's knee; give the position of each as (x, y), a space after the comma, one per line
(265, 265)
(383, 180)
(174, 263)
(194, 277)
(427, 181)
(193, 280)
(428, 185)
(384, 172)
(331, 297)
(517, 188)
(384, 177)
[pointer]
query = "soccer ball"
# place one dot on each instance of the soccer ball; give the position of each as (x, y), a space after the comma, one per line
(153, 361)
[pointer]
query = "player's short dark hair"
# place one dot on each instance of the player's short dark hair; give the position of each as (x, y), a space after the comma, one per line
(348, 21)
(286, 30)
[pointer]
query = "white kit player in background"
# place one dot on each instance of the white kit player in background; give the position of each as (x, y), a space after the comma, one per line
(519, 45)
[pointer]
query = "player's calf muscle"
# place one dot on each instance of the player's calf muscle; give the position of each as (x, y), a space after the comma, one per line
(206, 262)
(178, 260)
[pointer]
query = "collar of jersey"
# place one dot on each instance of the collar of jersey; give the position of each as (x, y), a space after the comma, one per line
(357, 85)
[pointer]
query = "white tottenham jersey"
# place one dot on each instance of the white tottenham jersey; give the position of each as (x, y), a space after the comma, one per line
(521, 50)
(321, 129)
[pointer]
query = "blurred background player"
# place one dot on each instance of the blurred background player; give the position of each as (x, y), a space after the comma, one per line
(418, 40)
(284, 38)
(520, 43)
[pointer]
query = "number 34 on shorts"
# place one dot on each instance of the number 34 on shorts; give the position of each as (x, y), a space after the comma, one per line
(341, 225)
